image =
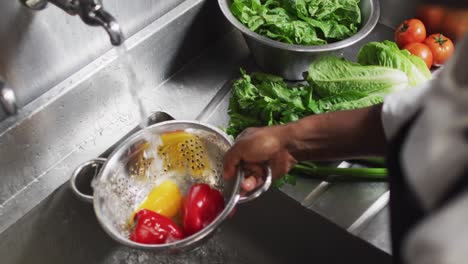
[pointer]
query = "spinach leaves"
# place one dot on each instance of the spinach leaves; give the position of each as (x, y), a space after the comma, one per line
(303, 22)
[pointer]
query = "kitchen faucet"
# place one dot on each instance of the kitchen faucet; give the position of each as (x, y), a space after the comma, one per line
(7, 98)
(90, 11)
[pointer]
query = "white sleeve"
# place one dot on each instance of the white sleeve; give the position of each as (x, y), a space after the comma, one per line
(400, 106)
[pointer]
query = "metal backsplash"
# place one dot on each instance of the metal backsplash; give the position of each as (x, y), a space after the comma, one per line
(90, 110)
(393, 12)
(38, 49)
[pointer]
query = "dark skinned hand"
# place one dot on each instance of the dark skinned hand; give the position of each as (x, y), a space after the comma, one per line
(255, 148)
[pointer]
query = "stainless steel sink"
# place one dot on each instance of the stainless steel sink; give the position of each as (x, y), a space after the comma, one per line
(186, 59)
(273, 229)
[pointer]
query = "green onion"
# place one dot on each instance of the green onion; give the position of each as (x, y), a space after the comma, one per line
(314, 170)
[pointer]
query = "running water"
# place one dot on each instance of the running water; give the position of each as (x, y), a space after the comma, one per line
(133, 82)
(134, 85)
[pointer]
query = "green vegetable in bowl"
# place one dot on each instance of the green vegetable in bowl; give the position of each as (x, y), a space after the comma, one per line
(303, 22)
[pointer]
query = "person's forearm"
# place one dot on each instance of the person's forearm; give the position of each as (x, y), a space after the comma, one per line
(337, 135)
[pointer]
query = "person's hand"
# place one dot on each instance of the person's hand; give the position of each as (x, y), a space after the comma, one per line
(256, 147)
(330, 136)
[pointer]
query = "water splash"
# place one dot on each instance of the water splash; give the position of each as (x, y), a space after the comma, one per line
(210, 252)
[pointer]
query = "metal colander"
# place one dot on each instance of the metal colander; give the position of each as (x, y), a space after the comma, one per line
(185, 151)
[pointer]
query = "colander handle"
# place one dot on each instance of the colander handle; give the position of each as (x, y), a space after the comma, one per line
(260, 190)
(82, 177)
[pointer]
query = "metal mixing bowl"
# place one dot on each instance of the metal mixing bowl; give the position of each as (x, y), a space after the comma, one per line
(291, 61)
(112, 197)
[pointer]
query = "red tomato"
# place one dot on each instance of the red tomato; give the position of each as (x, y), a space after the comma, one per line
(411, 30)
(153, 228)
(202, 205)
(455, 24)
(432, 16)
(441, 47)
(422, 51)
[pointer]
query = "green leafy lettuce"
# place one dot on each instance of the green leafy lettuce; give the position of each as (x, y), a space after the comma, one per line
(388, 54)
(342, 84)
(333, 84)
(303, 22)
(262, 99)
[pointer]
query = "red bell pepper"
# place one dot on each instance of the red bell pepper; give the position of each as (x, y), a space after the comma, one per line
(153, 228)
(202, 205)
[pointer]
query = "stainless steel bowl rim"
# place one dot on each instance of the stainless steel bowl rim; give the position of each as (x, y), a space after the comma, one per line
(234, 199)
(362, 33)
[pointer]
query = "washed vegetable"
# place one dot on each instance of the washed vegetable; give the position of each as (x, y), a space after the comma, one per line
(333, 84)
(411, 30)
(262, 99)
(452, 22)
(342, 84)
(432, 16)
(422, 51)
(164, 199)
(184, 152)
(153, 228)
(332, 173)
(289, 178)
(388, 54)
(441, 47)
(202, 205)
(303, 22)
(455, 23)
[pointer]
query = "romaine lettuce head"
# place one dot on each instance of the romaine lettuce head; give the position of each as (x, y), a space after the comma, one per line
(333, 76)
(349, 101)
(388, 54)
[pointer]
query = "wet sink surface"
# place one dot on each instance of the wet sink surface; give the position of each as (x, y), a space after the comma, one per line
(272, 229)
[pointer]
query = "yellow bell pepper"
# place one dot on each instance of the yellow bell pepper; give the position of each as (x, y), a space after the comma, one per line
(184, 153)
(164, 199)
